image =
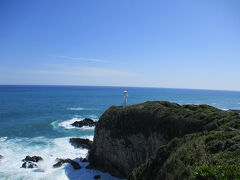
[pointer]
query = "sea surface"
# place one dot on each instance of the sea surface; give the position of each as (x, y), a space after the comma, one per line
(36, 120)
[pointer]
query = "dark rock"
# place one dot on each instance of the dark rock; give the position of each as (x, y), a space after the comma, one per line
(28, 161)
(83, 143)
(29, 165)
(86, 122)
(75, 165)
(97, 177)
(60, 162)
(89, 166)
(124, 138)
(33, 158)
(83, 160)
(1, 157)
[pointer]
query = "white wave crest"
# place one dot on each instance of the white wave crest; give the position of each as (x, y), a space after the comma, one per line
(76, 109)
(48, 149)
(68, 124)
(80, 109)
(88, 137)
(3, 139)
(14, 150)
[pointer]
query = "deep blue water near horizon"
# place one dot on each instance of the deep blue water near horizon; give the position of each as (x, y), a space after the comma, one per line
(31, 116)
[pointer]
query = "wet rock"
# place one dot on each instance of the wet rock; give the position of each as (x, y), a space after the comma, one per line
(1, 157)
(83, 160)
(86, 122)
(83, 143)
(29, 165)
(60, 162)
(29, 161)
(75, 165)
(33, 158)
(97, 177)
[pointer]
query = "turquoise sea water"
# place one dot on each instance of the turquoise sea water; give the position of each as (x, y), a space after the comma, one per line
(36, 120)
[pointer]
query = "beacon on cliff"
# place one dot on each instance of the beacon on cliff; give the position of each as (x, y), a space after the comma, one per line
(125, 99)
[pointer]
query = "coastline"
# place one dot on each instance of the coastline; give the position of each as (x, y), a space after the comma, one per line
(39, 120)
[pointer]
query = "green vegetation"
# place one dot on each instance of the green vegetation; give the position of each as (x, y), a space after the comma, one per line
(198, 156)
(218, 172)
(170, 119)
(211, 149)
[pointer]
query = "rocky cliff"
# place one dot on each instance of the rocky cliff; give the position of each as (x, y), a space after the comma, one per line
(146, 141)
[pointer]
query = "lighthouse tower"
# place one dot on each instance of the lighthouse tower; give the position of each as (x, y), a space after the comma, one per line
(125, 99)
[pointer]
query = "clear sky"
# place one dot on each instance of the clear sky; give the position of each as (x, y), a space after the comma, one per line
(152, 43)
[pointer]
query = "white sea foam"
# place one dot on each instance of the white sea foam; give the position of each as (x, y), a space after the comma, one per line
(93, 117)
(88, 137)
(3, 138)
(80, 109)
(68, 124)
(76, 109)
(87, 128)
(14, 150)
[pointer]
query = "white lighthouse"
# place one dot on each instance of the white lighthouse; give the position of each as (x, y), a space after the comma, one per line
(125, 99)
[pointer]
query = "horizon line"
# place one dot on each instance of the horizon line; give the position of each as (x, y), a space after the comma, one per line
(152, 87)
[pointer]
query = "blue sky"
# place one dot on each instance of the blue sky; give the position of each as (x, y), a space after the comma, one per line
(152, 43)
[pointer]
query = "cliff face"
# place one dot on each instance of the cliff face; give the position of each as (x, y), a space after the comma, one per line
(126, 138)
(211, 155)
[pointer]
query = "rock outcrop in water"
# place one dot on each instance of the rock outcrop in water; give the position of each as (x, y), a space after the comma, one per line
(30, 162)
(86, 122)
(83, 143)
(33, 158)
(60, 162)
(162, 140)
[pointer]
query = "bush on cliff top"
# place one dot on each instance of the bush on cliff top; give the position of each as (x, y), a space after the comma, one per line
(171, 119)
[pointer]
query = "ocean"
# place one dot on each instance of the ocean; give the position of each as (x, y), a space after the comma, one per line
(36, 120)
